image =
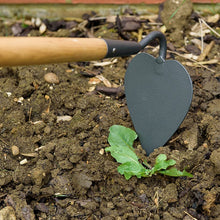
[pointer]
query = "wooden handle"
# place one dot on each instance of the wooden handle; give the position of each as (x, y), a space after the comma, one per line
(15, 51)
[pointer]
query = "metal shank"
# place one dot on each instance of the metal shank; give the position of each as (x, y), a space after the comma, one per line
(162, 39)
(118, 48)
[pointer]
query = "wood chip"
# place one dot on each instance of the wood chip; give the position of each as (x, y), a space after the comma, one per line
(29, 154)
(94, 81)
(106, 63)
(104, 80)
(92, 88)
(198, 43)
(36, 122)
(206, 51)
(39, 148)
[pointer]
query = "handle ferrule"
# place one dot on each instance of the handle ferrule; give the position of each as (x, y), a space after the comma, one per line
(119, 48)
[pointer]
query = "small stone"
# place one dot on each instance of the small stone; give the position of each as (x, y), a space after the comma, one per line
(102, 151)
(51, 78)
(63, 118)
(8, 94)
(20, 100)
(23, 162)
(38, 22)
(15, 150)
(7, 213)
(42, 28)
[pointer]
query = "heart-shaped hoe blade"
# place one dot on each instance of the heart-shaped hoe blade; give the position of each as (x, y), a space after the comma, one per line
(158, 92)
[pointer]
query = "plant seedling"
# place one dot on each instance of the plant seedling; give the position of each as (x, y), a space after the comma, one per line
(121, 148)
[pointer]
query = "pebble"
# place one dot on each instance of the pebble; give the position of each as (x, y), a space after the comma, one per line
(51, 78)
(15, 150)
(42, 28)
(23, 162)
(8, 94)
(102, 151)
(38, 22)
(63, 118)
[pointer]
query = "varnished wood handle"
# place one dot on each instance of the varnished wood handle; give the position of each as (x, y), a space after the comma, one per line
(15, 51)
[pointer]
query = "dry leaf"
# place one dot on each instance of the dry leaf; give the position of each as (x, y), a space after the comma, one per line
(206, 51)
(94, 81)
(213, 19)
(107, 63)
(92, 88)
(104, 80)
(196, 30)
(198, 43)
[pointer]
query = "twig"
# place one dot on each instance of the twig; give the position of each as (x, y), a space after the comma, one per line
(178, 54)
(110, 90)
(190, 215)
(174, 139)
(29, 117)
(4, 142)
(211, 29)
(202, 41)
(86, 71)
(213, 61)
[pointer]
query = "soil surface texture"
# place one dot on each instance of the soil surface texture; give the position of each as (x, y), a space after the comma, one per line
(55, 120)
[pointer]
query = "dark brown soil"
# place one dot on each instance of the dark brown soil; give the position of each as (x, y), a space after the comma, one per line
(69, 177)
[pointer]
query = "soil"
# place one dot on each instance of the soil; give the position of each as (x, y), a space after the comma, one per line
(55, 168)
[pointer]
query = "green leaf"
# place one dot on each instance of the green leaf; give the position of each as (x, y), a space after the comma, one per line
(162, 163)
(121, 140)
(175, 173)
(122, 154)
(130, 169)
(121, 136)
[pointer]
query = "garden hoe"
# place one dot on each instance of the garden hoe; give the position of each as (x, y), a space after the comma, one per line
(158, 92)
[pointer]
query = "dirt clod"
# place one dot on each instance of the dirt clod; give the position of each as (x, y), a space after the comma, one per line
(175, 16)
(170, 193)
(215, 160)
(7, 213)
